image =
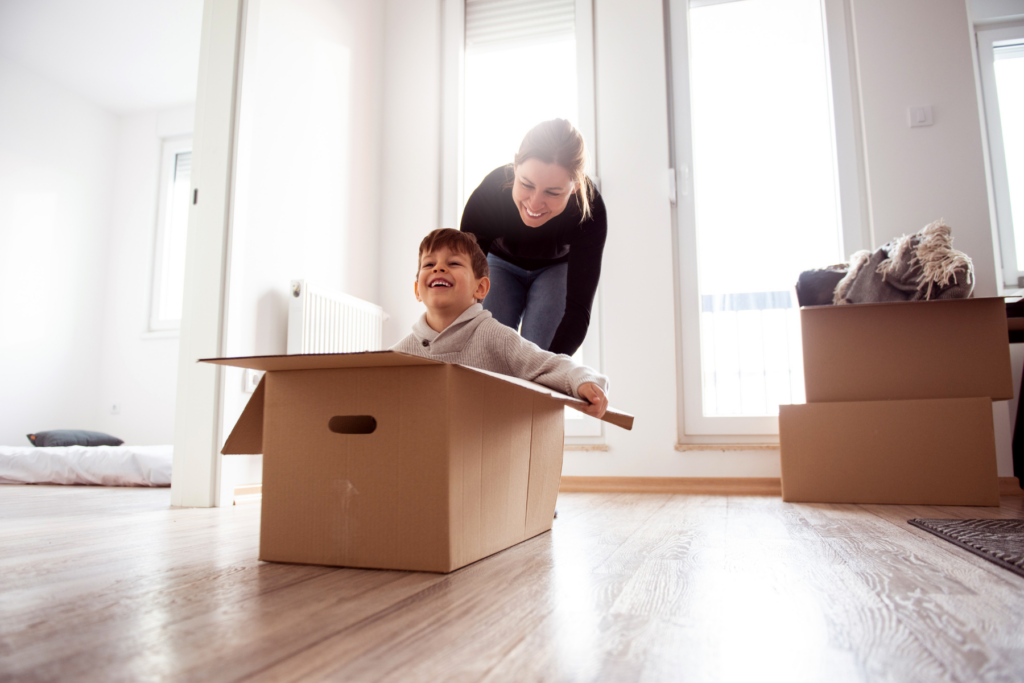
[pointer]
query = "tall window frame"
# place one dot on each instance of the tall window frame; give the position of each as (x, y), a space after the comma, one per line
(452, 196)
(693, 424)
(989, 38)
(159, 320)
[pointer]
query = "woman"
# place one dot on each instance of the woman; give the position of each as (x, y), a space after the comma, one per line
(542, 224)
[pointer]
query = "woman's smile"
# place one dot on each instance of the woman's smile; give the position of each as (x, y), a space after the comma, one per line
(537, 181)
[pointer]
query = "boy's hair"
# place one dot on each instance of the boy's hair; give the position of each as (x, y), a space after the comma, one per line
(458, 242)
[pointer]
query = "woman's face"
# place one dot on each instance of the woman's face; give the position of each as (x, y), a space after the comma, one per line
(541, 191)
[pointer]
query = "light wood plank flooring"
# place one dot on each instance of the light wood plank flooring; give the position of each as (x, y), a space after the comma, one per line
(113, 585)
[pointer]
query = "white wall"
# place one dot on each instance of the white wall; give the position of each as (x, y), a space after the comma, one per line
(918, 52)
(307, 199)
(56, 175)
(138, 370)
(411, 153)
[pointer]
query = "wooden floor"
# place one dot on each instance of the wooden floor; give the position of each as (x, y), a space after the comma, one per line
(113, 585)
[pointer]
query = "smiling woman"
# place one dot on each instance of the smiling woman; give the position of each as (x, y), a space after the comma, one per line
(542, 224)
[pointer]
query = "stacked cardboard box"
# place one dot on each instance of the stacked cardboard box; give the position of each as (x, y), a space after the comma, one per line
(390, 461)
(898, 404)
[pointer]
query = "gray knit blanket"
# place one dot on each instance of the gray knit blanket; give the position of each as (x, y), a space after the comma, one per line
(918, 267)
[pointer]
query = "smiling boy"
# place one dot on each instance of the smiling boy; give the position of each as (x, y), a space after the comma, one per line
(451, 282)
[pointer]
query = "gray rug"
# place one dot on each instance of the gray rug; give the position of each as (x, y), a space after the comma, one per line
(997, 540)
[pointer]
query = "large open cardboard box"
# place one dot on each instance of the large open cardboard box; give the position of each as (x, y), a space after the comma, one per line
(391, 461)
(899, 404)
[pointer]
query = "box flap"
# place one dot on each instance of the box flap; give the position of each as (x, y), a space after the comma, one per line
(371, 359)
(323, 361)
(612, 416)
(247, 436)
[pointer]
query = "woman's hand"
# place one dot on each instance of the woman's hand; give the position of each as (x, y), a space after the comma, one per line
(589, 391)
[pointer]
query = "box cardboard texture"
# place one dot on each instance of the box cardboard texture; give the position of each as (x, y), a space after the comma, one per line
(899, 404)
(907, 350)
(391, 461)
(923, 452)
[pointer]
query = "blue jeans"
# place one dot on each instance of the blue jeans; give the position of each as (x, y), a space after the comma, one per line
(535, 298)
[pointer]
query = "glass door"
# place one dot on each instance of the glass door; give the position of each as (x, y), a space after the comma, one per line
(1001, 58)
(761, 146)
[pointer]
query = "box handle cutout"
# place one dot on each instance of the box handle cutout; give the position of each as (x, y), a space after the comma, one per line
(352, 424)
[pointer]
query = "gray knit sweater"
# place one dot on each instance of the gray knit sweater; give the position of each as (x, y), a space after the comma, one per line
(478, 340)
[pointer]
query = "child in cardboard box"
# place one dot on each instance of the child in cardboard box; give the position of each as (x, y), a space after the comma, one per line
(451, 282)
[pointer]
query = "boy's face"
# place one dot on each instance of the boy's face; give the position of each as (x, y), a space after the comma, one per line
(446, 282)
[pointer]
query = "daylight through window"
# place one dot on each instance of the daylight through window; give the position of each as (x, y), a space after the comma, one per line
(172, 229)
(765, 193)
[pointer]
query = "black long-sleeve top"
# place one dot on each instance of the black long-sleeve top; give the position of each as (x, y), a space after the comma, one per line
(493, 217)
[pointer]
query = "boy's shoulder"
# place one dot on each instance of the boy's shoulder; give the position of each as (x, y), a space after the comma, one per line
(494, 331)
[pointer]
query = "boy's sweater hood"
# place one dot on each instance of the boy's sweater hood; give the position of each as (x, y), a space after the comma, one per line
(476, 339)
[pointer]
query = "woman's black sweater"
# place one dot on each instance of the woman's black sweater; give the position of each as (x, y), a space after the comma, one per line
(493, 217)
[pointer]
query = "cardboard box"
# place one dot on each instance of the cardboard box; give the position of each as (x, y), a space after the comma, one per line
(899, 404)
(907, 350)
(391, 461)
(921, 452)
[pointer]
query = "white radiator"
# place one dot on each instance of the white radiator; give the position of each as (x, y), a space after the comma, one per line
(328, 321)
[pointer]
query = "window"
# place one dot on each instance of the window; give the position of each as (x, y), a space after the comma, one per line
(762, 117)
(512, 82)
(171, 231)
(494, 49)
(1001, 58)
(510, 64)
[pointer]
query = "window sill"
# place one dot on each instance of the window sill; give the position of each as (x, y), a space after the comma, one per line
(585, 447)
(161, 334)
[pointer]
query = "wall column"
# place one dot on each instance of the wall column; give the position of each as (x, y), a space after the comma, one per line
(194, 481)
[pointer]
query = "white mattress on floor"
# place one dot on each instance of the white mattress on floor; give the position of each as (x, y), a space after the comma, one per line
(100, 465)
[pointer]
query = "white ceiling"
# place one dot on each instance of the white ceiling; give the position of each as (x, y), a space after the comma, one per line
(124, 55)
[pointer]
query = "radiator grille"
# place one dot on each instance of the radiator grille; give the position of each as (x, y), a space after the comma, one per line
(322, 320)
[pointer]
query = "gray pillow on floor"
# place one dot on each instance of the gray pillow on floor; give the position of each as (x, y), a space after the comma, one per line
(73, 437)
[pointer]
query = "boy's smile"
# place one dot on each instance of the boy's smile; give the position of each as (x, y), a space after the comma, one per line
(447, 285)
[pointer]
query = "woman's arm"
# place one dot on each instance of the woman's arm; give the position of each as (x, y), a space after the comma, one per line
(581, 281)
(482, 215)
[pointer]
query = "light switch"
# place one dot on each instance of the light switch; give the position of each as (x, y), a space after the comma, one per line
(920, 116)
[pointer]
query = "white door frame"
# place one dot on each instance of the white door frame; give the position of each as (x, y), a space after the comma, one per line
(197, 438)
(986, 42)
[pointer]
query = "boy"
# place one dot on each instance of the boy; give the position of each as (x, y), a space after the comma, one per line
(452, 281)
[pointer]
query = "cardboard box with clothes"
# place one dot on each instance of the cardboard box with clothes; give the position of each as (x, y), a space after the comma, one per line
(898, 404)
